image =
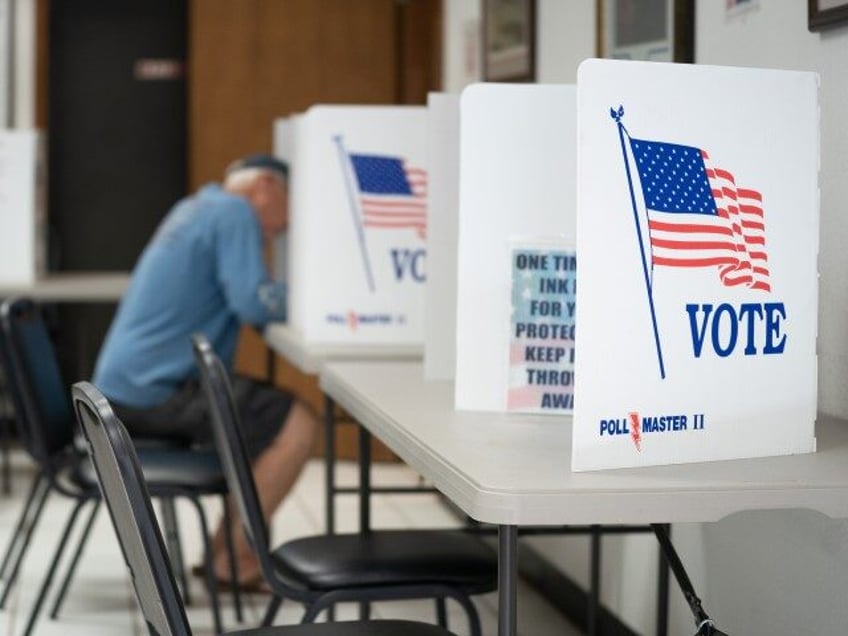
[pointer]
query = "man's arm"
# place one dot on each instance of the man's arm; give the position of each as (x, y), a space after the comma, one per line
(249, 290)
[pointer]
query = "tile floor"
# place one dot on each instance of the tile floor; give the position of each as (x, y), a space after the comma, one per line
(100, 601)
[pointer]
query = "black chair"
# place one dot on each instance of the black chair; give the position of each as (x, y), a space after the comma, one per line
(47, 425)
(321, 571)
(123, 487)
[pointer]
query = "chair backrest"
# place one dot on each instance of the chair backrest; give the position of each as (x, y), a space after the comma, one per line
(232, 448)
(36, 380)
(11, 389)
(123, 488)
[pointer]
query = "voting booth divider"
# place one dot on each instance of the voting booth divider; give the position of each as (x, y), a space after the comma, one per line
(698, 226)
(516, 264)
(22, 207)
(442, 229)
(283, 143)
(356, 250)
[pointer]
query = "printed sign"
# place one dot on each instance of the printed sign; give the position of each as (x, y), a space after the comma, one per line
(518, 173)
(384, 193)
(358, 224)
(698, 248)
(541, 352)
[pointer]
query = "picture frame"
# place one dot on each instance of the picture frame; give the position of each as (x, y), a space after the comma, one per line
(824, 14)
(656, 30)
(509, 40)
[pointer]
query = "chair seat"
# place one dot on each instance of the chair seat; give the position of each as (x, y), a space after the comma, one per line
(167, 467)
(389, 557)
(370, 628)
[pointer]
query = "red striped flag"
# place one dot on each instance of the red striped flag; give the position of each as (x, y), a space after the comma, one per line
(699, 217)
(392, 194)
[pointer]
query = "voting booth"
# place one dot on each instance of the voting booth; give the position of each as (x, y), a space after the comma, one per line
(698, 225)
(356, 245)
(22, 207)
(283, 140)
(442, 229)
(516, 261)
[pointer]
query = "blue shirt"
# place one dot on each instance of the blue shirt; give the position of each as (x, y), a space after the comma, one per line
(203, 271)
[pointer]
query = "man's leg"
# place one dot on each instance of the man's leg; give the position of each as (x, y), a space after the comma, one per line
(275, 472)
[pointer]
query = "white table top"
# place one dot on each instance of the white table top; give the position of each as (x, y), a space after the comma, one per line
(72, 287)
(515, 469)
(289, 343)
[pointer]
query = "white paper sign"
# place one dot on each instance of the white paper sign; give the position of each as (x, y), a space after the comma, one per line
(358, 227)
(517, 183)
(541, 348)
(698, 216)
(22, 244)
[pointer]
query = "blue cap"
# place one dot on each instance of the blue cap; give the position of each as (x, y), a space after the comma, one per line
(264, 162)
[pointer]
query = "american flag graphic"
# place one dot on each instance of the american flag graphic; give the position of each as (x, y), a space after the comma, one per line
(698, 217)
(522, 395)
(392, 195)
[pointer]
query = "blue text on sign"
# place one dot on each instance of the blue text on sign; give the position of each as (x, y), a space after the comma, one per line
(724, 326)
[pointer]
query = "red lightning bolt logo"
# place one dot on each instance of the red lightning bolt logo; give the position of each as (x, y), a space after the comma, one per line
(636, 430)
(352, 320)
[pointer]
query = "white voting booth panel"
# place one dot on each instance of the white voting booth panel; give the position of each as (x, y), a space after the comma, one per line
(698, 221)
(442, 228)
(359, 223)
(22, 244)
(284, 149)
(298, 230)
(517, 187)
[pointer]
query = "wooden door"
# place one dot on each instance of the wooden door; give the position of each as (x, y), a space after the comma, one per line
(253, 61)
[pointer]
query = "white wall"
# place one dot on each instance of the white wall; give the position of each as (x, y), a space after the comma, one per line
(565, 37)
(462, 41)
(775, 572)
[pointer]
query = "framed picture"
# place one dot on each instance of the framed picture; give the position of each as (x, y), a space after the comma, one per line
(823, 14)
(509, 40)
(654, 30)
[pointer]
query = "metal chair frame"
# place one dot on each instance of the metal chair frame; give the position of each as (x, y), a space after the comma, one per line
(47, 432)
(128, 501)
(234, 459)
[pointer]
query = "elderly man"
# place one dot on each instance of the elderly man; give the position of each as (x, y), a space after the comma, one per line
(203, 272)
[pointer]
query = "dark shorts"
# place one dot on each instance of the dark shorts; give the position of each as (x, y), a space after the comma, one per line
(262, 409)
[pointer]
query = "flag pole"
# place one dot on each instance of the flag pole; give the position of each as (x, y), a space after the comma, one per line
(617, 115)
(354, 209)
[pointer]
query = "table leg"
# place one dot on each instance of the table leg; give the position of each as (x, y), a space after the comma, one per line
(364, 479)
(330, 474)
(592, 611)
(507, 580)
(364, 499)
(330, 463)
(662, 590)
